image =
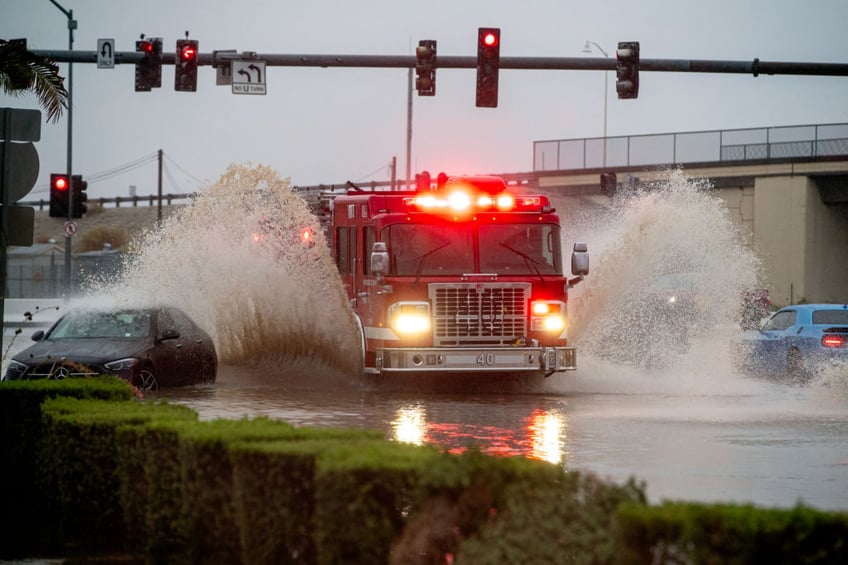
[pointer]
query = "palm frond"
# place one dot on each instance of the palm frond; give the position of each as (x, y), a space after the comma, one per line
(23, 71)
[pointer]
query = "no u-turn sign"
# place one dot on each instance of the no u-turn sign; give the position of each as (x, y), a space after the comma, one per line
(248, 77)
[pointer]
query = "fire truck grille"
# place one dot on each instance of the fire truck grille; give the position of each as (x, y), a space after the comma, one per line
(469, 313)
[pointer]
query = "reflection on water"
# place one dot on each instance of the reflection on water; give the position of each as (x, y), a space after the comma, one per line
(542, 435)
(526, 425)
(547, 434)
(410, 426)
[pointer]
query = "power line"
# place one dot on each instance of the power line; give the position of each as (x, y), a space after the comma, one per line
(121, 169)
(374, 172)
(177, 165)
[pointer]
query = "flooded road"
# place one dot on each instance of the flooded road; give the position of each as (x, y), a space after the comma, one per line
(689, 426)
(729, 440)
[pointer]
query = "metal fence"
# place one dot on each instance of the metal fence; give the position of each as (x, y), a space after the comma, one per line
(44, 276)
(784, 142)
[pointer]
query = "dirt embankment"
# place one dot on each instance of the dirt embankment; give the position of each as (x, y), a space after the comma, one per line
(132, 220)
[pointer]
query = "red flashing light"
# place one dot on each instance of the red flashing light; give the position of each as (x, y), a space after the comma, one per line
(147, 46)
(307, 237)
(60, 183)
(490, 39)
(832, 341)
(466, 201)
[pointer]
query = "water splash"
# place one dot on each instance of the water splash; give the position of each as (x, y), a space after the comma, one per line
(669, 268)
(236, 262)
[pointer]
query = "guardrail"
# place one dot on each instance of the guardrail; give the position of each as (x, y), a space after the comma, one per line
(133, 201)
(783, 142)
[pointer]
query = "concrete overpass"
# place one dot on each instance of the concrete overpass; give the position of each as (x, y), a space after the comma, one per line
(786, 187)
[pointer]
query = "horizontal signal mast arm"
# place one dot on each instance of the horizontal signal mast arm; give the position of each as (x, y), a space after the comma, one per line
(755, 67)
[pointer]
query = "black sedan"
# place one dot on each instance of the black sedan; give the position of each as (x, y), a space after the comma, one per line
(147, 347)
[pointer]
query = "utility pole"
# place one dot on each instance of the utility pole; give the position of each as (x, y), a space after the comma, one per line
(159, 211)
(408, 128)
(394, 172)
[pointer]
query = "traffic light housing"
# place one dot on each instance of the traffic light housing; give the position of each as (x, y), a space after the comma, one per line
(627, 69)
(59, 189)
(78, 206)
(423, 180)
(425, 67)
(488, 64)
(185, 67)
(148, 71)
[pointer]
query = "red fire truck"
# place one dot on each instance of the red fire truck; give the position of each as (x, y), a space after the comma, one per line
(458, 278)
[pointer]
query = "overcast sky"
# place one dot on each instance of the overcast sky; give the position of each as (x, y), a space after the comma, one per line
(331, 125)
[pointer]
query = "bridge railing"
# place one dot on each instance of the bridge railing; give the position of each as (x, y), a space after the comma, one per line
(118, 201)
(784, 142)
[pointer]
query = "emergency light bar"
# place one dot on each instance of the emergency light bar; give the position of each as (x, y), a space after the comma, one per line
(459, 201)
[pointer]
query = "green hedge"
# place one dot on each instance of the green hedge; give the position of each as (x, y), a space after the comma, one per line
(680, 532)
(566, 519)
(151, 487)
(82, 452)
(25, 506)
(274, 488)
(151, 479)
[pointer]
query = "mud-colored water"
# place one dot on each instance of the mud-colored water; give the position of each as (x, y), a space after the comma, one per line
(644, 402)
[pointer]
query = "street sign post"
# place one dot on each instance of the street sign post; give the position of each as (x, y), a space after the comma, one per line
(21, 225)
(18, 173)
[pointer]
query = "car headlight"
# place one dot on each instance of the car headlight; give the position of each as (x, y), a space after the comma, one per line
(15, 370)
(409, 318)
(121, 366)
(547, 316)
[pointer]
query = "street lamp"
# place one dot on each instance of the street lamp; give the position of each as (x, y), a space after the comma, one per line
(587, 48)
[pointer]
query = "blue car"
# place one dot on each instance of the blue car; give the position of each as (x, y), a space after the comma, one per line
(796, 342)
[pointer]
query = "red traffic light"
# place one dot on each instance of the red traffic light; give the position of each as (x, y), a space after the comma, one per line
(488, 65)
(490, 39)
(146, 47)
(60, 183)
(189, 52)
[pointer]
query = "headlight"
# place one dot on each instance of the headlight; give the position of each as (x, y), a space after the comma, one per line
(547, 316)
(15, 370)
(121, 366)
(409, 318)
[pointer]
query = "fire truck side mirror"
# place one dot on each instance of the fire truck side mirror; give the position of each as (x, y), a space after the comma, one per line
(379, 259)
(580, 259)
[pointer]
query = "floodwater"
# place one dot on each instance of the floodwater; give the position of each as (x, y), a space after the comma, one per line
(738, 440)
(666, 407)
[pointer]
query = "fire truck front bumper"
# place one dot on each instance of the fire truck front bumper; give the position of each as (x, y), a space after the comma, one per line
(477, 359)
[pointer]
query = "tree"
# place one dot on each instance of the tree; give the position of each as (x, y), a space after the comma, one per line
(22, 71)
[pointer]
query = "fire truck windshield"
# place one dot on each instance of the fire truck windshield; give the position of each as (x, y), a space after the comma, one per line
(454, 249)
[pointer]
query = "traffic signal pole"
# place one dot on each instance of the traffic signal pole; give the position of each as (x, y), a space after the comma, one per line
(72, 25)
(754, 67)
